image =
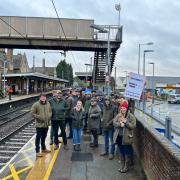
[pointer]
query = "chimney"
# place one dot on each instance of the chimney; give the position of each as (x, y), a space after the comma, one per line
(34, 64)
(43, 63)
(9, 56)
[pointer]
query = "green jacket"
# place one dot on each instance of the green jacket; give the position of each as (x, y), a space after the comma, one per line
(42, 114)
(77, 118)
(69, 102)
(128, 129)
(59, 109)
(108, 113)
(94, 117)
(87, 105)
(116, 106)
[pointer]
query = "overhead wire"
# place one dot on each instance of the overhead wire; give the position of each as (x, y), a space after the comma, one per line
(19, 33)
(36, 47)
(64, 32)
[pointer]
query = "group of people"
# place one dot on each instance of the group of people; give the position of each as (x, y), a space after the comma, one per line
(88, 112)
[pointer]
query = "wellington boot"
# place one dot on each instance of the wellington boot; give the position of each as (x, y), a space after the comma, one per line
(122, 162)
(126, 166)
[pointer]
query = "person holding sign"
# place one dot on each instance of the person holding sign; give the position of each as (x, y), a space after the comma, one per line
(124, 124)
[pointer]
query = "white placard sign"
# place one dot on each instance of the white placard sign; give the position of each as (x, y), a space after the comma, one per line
(135, 85)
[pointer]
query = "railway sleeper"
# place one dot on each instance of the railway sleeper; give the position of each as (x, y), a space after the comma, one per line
(11, 146)
(21, 136)
(15, 143)
(4, 159)
(19, 140)
(27, 133)
(11, 152)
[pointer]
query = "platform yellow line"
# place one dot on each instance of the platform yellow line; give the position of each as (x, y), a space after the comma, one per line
(18, 172)
(13, 172)
(48, 172)
(24, 169)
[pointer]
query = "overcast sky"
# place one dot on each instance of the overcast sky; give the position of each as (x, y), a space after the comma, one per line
(143, 21)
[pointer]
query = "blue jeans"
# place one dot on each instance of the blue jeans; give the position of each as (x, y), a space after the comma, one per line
(77, 135)
(108, 135)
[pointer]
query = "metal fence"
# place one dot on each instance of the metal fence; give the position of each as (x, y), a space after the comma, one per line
(115, 33)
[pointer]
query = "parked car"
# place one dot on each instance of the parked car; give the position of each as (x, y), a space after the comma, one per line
(174, 98)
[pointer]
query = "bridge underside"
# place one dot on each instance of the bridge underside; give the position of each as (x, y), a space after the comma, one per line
(99, 47)
(54, 44)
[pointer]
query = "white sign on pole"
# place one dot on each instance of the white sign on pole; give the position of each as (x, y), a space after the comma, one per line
(135, 85)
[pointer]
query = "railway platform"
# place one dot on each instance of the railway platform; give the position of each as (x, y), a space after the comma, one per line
(151, 148)
(67, 164)
(19, 97)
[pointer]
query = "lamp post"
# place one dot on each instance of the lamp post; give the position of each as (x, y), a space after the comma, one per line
(108, 66)
(3, 59)
(139, 53)
(126, 76)
(118, 8)
(144, 93)
(115, 75)
(86, 70)
(153, 90)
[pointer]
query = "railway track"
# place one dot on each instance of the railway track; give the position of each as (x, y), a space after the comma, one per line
(8, 119)
(13, 110)
(15, 131)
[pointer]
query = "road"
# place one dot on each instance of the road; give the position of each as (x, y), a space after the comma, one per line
(161, 109)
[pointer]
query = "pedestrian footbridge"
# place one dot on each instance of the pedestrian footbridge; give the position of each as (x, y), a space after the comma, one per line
(61, 34)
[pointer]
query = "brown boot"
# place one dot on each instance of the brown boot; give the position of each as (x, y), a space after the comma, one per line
(46, 151)
(39, 155)
(122, 162)
(126, 166)
(56, 147)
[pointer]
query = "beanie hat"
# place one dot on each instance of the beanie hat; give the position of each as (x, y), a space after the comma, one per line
(107, 98)
(93, 100)
(124, 105)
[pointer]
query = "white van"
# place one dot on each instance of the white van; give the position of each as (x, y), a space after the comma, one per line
(174, 98)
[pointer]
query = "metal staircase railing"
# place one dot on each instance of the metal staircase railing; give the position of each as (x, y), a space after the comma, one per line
(100, 65)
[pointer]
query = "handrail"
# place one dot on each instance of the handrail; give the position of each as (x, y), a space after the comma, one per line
(115, 33)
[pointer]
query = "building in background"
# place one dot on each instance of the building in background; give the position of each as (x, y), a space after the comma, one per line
(25, 80)
(20, 64)
(50, 71)
(14, 63)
